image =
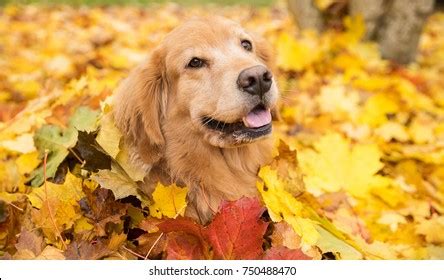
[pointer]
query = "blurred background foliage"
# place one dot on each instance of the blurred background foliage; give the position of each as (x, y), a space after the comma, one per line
(141, 2)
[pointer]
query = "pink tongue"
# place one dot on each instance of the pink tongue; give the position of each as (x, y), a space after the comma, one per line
(257, 118)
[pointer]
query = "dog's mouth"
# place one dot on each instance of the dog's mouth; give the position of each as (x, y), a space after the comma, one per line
(255, 124)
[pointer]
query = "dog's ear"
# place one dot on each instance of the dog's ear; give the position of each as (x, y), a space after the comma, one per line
(140, 104)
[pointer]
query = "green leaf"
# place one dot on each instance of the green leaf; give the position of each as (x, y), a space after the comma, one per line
(57, 142)
(85, 119)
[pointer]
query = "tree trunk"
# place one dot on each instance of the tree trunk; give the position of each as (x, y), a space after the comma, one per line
(306, 14)
(371, 11)
(399, 33)
(396, 25)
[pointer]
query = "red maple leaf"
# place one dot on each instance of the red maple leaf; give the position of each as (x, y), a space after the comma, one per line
(185, 239)
(236, 232)
(183, 246)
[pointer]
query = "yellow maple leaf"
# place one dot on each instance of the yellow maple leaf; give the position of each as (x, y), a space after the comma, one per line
(57, 208)
(392, 130)
(283, 206)
(295, 54)
(335, 99)
(392, 196)
(27, 162)
(82, 224)
(422, 128)
(69, 193)
(336, 165)
(433, 229)
(55, 216)
(169, 201)
(377, 108)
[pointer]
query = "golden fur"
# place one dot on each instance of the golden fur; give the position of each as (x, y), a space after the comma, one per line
(159, 106)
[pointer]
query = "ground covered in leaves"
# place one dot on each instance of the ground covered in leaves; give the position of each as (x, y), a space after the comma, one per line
(369, 137)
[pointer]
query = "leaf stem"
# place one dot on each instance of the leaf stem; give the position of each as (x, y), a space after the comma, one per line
(77, 157)
(132, 252)
(162, 234)
(154, 245)
(16, 207)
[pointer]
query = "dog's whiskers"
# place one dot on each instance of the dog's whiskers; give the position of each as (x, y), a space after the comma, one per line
(207, 121)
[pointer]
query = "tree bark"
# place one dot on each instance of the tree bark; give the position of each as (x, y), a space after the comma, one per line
(398, 36)
(371, 11)
(396, 25)
(306, 14)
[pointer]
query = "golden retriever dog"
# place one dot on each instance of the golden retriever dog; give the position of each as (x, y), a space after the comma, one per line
(198, 112)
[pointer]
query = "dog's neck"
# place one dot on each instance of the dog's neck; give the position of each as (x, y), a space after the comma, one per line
(212, 173)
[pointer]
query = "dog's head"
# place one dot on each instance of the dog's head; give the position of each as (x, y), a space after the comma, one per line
(208, 73)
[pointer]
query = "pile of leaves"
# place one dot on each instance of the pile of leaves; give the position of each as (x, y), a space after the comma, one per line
(358, 171)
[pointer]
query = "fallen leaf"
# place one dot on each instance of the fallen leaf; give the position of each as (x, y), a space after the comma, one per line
(329, 243)
(109, 135)
(70, 192)
(295, 54)
(118, 183)
(27, 162)
(21, 144)
(282, 205)
(169, 201)
(236, 231)
(283, 253)
(30, 241)
(85, 119)
(86, 250)
(336, 165)
(182, 246)
(432, 229)
(51, 253)
(392, 220)
(284, 235)
(57, 142)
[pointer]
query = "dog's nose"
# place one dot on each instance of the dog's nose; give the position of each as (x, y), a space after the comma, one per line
(255, 80)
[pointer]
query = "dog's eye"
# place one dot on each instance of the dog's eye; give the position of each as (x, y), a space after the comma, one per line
(195, 63)
(247, 45)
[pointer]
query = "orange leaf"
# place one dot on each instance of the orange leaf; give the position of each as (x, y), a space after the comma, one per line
(283, 253)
